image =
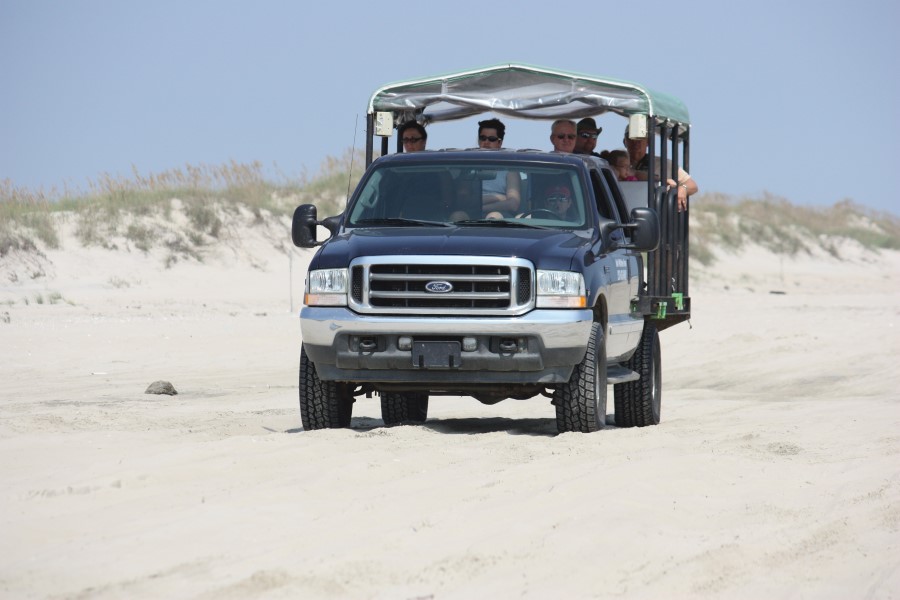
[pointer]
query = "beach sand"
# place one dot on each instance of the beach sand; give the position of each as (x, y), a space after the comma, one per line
(775, 472)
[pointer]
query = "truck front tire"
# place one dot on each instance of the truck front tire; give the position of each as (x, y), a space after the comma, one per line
(638, 403)
(323, 404)
(581, 403)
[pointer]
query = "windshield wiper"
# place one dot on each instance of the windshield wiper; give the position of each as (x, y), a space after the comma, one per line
(402, 222)
(500, 223)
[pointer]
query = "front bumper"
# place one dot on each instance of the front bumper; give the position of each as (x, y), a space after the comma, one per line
(540, 347)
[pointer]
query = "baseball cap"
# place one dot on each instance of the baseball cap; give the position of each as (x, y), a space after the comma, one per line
(559, 190)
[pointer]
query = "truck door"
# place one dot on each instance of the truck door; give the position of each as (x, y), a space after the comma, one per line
(622, 270)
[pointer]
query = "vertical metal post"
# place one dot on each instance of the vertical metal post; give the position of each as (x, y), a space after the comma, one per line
(675, 152)
(370, 137)
(667, 256)
(384, 146)
(677, 274)
(687, 149)
(663, 153)
(660, 255)
(651, 152)
(655, 258)
(687, 221)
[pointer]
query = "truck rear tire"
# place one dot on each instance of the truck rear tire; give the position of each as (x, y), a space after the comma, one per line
(638, 403)
(323, 404)
(408, 407)
(581, 403)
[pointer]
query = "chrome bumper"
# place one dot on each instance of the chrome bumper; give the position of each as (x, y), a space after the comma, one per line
(346, 346)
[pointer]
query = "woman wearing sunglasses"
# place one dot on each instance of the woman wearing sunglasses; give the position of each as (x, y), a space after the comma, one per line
(500, 196)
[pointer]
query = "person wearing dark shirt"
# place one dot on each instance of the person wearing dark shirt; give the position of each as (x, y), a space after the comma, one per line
(588, 132)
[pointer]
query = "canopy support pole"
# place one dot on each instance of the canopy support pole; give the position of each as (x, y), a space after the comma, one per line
(370, 135)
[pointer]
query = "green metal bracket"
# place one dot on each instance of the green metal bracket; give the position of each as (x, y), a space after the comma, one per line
(661, 309)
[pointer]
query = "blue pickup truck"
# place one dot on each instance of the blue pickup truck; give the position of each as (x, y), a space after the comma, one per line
(417, 293)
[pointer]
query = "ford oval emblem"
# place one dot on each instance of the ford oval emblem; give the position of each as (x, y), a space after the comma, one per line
(438, 287)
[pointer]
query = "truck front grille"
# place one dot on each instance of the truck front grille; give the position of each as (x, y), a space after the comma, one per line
(441, 285)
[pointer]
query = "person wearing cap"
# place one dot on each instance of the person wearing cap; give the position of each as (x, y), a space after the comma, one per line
(558, 199)
(413, 136)
(640, 164)
(588, 132)
(562, 135)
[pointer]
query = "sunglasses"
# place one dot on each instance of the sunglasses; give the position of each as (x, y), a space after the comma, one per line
(565, 136)
(587, 135)
(558, 199)
(489, 138)
(412, 140)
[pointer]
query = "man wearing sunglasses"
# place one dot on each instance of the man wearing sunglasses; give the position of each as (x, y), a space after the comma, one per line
(588, 132)
(563, 135)
(500, 196)
(640, 163)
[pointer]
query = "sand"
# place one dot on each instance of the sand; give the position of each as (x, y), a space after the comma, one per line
(775, 472)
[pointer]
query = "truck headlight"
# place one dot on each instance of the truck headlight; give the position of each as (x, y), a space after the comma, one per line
(560, 289)
(326, 287)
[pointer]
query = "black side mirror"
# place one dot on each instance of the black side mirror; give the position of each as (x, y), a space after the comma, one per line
(644, 229)
(303, 226)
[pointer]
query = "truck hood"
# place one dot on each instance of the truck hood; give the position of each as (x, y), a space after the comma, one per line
(546, 248)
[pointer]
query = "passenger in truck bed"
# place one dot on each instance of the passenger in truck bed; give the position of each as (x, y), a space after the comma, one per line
(562, 135)
(640, 162)
(618, 160)
(588, 132)
(503, 193)
(413, 136)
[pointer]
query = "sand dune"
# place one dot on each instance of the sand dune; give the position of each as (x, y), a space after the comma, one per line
(775, 472)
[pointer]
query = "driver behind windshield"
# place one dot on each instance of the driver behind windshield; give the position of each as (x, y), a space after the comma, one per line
(559, 201)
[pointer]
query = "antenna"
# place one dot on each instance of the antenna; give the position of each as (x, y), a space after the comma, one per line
(352, 153)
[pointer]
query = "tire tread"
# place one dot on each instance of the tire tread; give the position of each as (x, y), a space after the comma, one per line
(323, 404)
(634, 399)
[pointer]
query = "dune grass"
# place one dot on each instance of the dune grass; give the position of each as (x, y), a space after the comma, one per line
(139, 208)
(728, 222)
(117, 206)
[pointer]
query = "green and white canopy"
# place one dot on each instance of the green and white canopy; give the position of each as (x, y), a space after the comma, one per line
(525, 92)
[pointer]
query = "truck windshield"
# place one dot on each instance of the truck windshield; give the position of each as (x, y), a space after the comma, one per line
(467, 194)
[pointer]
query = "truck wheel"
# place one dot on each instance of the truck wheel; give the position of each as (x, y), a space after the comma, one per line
(408, 407)
(323, 404)
(638, 402)
(581, 403)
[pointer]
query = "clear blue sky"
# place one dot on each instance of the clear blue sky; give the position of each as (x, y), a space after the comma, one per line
(796, 98)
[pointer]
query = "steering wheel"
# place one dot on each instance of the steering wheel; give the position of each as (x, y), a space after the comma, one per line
(540, 212)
